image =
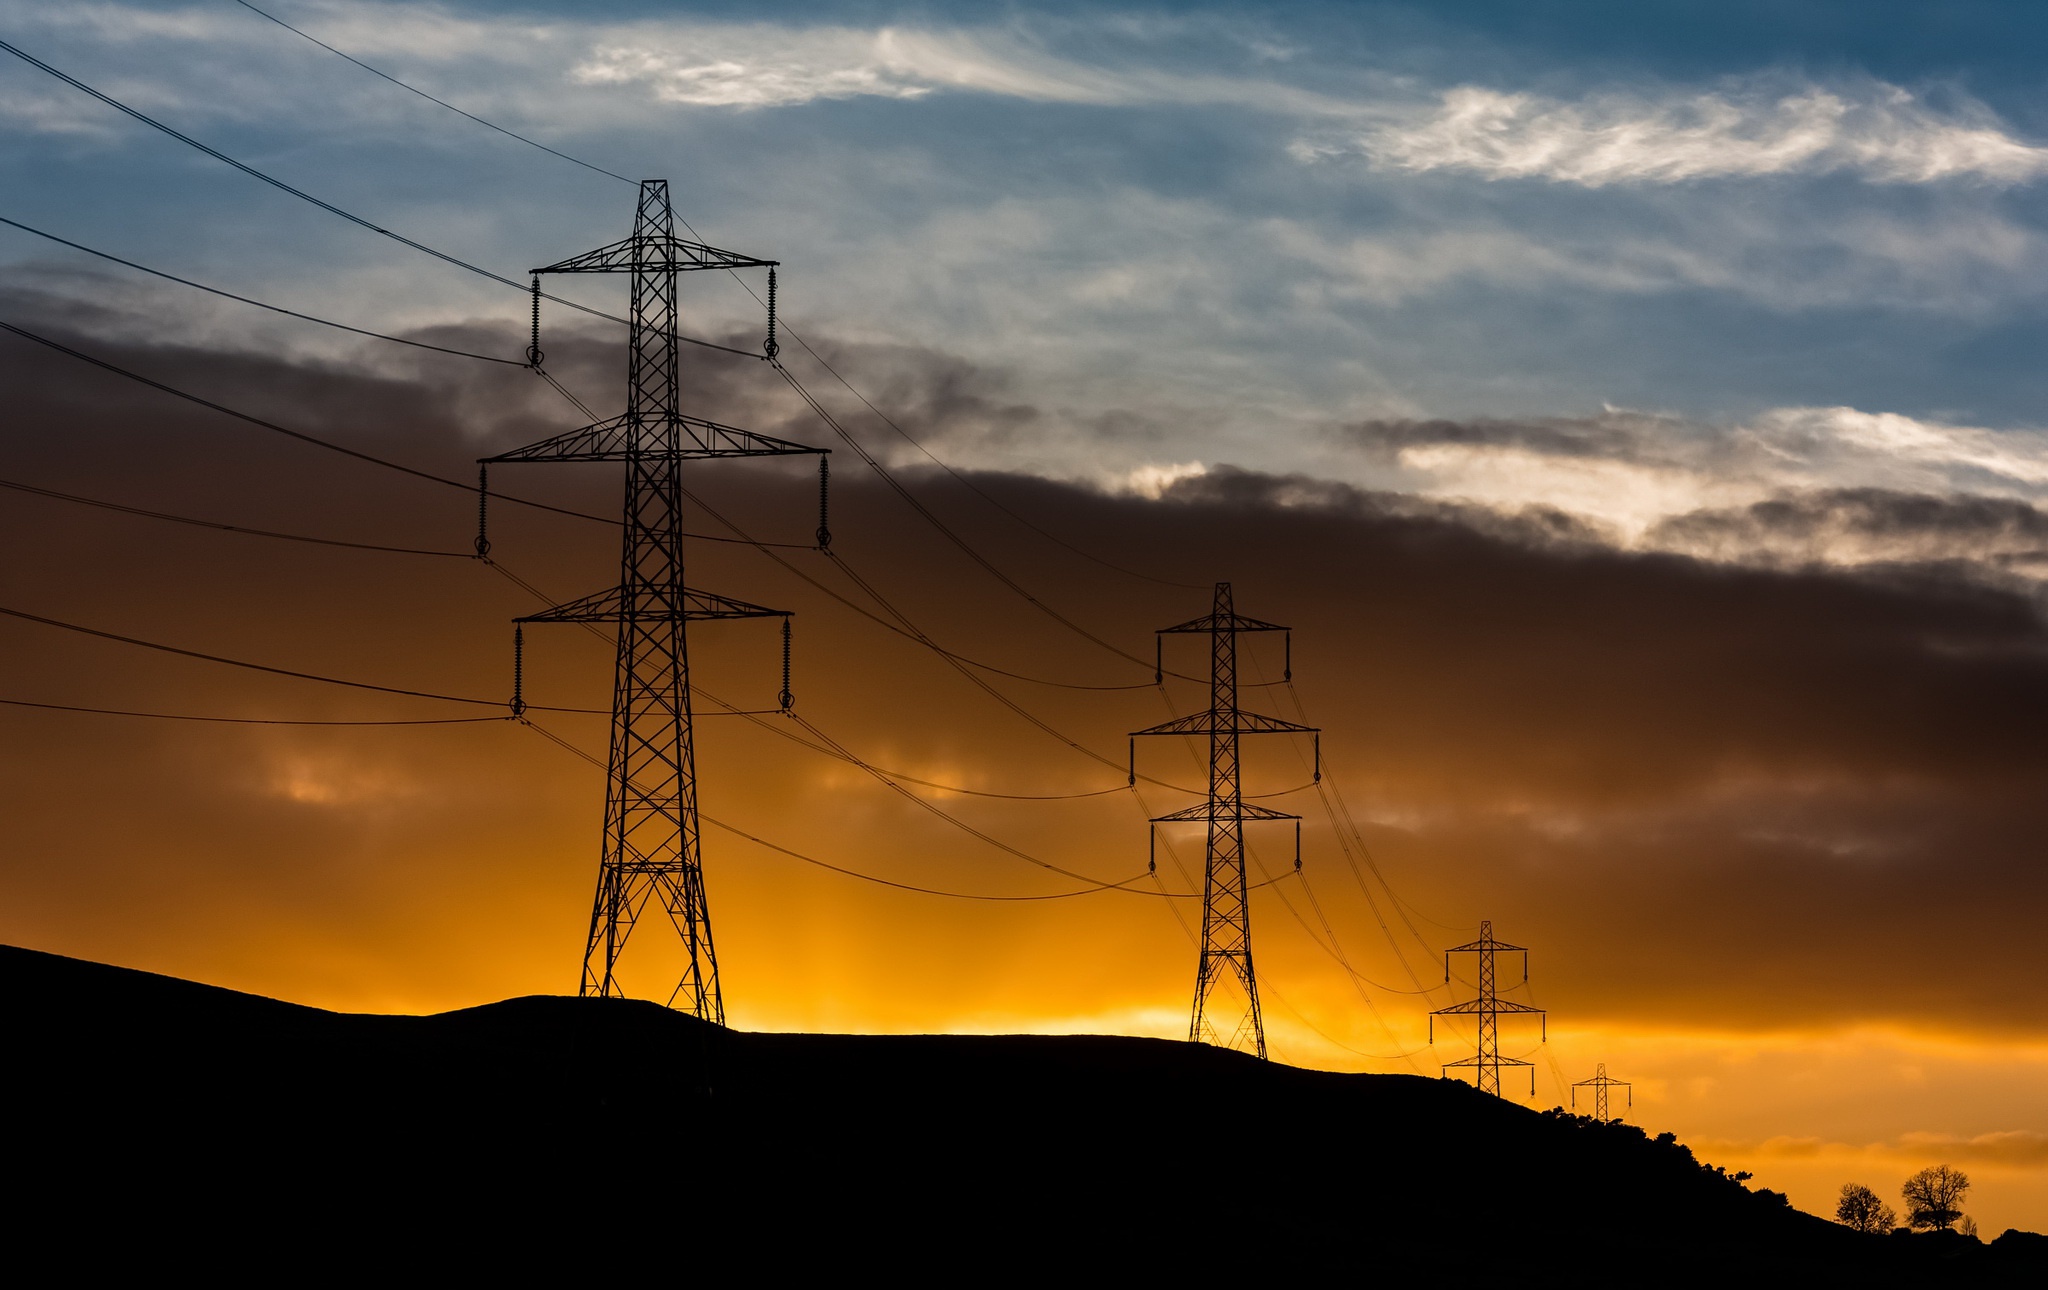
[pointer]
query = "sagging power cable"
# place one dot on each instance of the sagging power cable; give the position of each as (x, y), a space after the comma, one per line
(333, 209)
(276, 309)
(227, 528)
(430, 98)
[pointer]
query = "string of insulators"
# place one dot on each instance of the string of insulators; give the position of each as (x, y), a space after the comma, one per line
(533, 354)
(483, 515)
(786, 699)
(1132, 782)
(519, 669)
(1297, 846)
(1287, 668)
(771, 347)
(1158, 660)
(1152, 861)
(824, 502)
(1319, 757)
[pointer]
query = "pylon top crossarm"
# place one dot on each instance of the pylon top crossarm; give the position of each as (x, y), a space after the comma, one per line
(1486, 942)
(654, 254)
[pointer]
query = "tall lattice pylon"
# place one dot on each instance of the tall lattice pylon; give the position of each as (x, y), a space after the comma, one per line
(1488, 1006)
(1600, 1083)
(651, 841)
(1226, 949)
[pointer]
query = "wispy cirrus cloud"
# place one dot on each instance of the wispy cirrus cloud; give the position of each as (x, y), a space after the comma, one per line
(1878, 132)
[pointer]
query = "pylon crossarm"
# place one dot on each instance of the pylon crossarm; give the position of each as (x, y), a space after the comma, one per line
(1488, 1005)
(1232, 622)
(1487, 943)
(646, 253)
(1207, 811)
(1227, 723)
(1488, 1061)
(608, 606)
(621, 438)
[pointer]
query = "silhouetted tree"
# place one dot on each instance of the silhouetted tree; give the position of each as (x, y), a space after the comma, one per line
(1864, 1210)
(1934, 1196)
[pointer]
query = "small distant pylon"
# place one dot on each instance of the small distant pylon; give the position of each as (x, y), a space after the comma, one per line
(1600, 1083)
(1226, 908)
(1487, 1061)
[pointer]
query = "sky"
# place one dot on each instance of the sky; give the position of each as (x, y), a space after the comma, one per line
(1634, 414)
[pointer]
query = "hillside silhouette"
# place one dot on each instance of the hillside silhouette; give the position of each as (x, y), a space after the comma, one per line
(230, 1124)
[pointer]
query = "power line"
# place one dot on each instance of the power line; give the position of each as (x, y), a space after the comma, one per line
(946, 531)
(276, 309)
(264, 667)
(564, 744)
(247, 721)
(430, 98)
(330, 207)
(227, 528)
(275, 428)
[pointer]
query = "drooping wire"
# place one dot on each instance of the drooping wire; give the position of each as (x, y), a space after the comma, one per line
(275, 428)
(907, 632)
(572, 749)
(225, 528)
(333, 209)
(249, 721)
(263, 667)
(276, 309)
(430, 98)
(940, 526)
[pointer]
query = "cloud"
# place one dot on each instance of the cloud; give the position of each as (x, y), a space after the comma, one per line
(1880, 133)
(1830, 485)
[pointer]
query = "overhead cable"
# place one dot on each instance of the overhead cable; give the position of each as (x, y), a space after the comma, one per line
(227, 528)
(1091, 890)
(275, 428)
(250, 721)
(276, 309)
(330, 207)
(430, 98)
(318, 442)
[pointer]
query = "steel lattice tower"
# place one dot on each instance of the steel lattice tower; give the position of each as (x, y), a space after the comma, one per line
(1226, 910)
(1488, 1007)
(1600, 1083)
(651, 839)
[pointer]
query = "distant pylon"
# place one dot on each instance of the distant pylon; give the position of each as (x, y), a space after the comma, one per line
(1487, 1007)
(651, 837)
(1600, 1084)
(1226, 909)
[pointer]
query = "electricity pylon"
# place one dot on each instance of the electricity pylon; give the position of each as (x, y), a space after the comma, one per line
(1226, 911)
(651, 835)
(1600, 1084)
(1488, 1007)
